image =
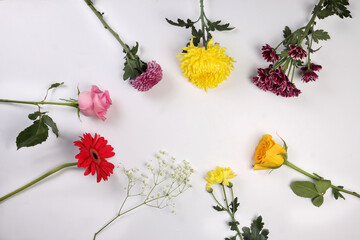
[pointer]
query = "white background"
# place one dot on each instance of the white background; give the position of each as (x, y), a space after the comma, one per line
(42, 42)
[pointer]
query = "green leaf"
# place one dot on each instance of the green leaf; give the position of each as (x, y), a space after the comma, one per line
(322, 185)
(337, 193)
(32, 135)
(337, 7)
(135, 49)
(231, 238)
(256, 231)
(304, 189)
(218, 208)
(48, 121)
(220, 27)
(287, 32)
(233, 225)
(284, 53)
(320, 35)
(35, 115)
(55, 85)
(234, 205)
(181, 23)
(317, 201)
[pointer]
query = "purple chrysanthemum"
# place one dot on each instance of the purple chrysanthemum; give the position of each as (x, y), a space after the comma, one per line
(313, 67)
(297, 52)
(309, 76)
(148, 79)
(262, 80)
(287, 89)
(269, 54)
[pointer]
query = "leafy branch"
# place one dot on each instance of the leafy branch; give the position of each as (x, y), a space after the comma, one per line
(207, 26)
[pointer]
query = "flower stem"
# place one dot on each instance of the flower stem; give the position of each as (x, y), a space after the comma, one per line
(75, 105)
(38, 179)
(311, 22)
(231, 213)
(289, 164)
(202, 17)
(106, 26)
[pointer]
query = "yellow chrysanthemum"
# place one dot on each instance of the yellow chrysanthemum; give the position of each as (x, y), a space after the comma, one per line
(219, 176)
(205, 67)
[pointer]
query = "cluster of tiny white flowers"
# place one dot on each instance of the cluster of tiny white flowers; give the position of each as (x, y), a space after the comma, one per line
(166, 179)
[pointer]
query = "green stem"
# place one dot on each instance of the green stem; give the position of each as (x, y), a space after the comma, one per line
(75, 105)
(287, 38)
(289, 164)
(38, 179)
(231, 214)
(106, 26)
(311, 22)
(202, 17)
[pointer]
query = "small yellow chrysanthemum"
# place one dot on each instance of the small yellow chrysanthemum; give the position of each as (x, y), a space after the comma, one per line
(219, 176)
(205, 68)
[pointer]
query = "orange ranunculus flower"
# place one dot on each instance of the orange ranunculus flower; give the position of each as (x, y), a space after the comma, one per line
(268, 154)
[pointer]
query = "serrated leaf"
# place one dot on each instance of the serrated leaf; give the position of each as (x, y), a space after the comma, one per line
(322, 185)
(32, 135)
(304, 189)
(233, 225)
(256, 231)
(48, 121)
(286, 32)
(55, 85)
(320, 35)
(234, 205)
(181, 23)
(317, 201)
(231, 238)
(338, 7)
(220, 27)
(135, 49)
(218, 208)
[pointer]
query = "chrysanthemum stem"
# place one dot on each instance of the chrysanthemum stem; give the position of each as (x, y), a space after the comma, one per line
(289, 164)
(106, 26)
(75, 105)
(202, 17)
(232, 214)
(38, 179)
(311, 22)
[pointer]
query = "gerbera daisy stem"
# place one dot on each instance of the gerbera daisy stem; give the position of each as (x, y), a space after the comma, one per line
(289, 164)
(75, 105)
(38, 179)
(106, 26)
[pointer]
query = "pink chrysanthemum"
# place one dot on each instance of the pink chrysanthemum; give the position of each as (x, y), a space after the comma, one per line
(269, 54)
(148, 79)
(309, 76)
(297, 52)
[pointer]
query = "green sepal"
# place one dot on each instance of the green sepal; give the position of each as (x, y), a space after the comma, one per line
(304, 189)
(32, 135)
(284, 155)
(48, 121)
(317, 201)
(256, 231)
(322, 185)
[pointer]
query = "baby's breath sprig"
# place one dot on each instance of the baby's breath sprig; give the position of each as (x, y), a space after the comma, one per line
(143, 76)
(164, 181)
(278, 77)
(204, 33)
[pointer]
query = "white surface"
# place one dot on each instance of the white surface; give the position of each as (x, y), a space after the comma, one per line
(42, 42)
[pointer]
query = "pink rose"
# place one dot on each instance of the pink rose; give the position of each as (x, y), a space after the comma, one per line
(94, 103)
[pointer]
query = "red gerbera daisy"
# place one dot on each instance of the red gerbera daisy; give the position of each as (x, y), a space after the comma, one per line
(93, 152)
